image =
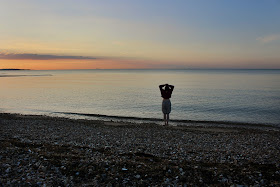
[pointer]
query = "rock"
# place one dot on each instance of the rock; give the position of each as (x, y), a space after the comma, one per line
(103, 176)
(167, 180)
(8, 170)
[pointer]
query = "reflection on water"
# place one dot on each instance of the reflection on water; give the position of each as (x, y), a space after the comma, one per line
(216, 95)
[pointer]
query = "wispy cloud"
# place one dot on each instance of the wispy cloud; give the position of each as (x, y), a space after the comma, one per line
(269, 38)
(30, 56)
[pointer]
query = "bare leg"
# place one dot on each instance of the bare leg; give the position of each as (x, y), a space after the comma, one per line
(167, 119)
(164, 117)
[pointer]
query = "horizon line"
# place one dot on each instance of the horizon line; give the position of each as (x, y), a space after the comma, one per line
(16, 69)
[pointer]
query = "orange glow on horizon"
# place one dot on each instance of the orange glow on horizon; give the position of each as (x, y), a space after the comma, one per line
(64, 64)
(70, 64)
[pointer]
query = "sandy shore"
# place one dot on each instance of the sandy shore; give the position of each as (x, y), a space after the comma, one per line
(39, 150)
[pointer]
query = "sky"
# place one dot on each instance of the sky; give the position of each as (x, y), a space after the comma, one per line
(139, 34)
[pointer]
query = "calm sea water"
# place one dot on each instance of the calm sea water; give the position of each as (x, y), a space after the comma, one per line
(251, 96)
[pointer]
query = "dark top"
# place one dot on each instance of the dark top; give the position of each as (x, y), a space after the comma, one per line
(166, 94)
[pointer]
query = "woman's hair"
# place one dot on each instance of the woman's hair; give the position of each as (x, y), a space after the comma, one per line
(166, 87)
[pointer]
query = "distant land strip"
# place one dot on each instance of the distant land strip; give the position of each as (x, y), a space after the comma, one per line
(25, 75)
(12, 69)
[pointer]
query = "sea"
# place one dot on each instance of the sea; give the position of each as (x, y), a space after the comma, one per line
(200, 95)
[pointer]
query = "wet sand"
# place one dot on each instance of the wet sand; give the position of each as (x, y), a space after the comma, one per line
(51, 151)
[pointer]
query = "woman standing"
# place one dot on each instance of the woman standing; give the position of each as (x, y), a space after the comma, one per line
(166, 104)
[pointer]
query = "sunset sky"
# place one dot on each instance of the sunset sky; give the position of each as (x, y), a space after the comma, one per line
(128, 34)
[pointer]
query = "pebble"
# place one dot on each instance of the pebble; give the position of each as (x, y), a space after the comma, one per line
(8, 170)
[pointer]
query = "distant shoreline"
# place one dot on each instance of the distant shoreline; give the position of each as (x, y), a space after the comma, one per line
(11, 69)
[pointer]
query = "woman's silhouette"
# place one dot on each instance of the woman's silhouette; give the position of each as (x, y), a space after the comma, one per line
(166, 104)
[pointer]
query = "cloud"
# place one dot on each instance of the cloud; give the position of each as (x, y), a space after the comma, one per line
(269, 38)
(30, 56)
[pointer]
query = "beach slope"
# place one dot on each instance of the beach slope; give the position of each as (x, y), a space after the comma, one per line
(38, 150)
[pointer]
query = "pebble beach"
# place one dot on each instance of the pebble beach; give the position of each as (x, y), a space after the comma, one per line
(55, 151)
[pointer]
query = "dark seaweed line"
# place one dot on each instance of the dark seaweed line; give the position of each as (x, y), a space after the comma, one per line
(180, 121)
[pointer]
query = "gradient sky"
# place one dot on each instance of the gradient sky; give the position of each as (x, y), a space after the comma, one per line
(89, 34)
